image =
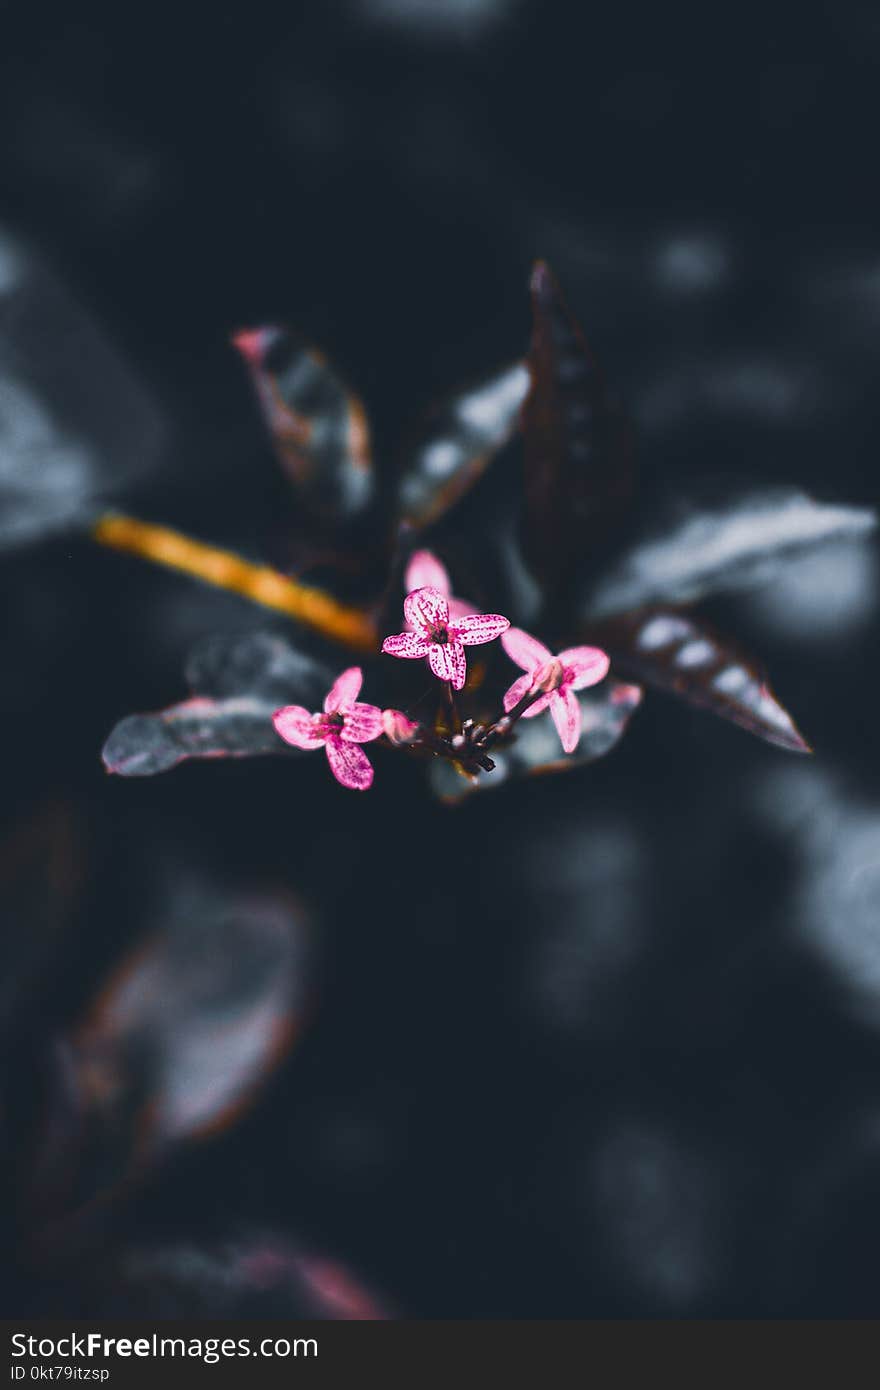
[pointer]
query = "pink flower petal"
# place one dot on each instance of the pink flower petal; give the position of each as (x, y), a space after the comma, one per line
(297, 726)
(524, 649)
(521, 686)
(407, 644)
(349, 765)
(448, 662)
(546, 678)
(566, 715)
(362, 724)
(344, 691)
(480, 627)
(584, 666)
(539, 706)
(426, 609)
(398, 728)
(426, 571)
(461, 608)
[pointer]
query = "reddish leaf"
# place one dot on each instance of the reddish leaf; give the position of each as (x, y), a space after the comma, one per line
(319, 428)
(262, 1276)
(578, 458)
(605, 713)
(458, 442)
(193, 1021)
(681, 654)
(179, 1040)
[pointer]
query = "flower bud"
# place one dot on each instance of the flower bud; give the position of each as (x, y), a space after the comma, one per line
(398, 729)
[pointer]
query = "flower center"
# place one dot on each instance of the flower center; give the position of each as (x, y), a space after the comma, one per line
(551, 676)
(440, 634)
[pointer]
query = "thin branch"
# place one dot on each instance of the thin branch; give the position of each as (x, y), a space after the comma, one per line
(225, 570)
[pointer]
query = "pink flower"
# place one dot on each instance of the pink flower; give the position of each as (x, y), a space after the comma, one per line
(574, 669)
(439, 637)
(425, 571)
(343, 724)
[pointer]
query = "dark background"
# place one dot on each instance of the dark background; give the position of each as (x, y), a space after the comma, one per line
(619, 1054)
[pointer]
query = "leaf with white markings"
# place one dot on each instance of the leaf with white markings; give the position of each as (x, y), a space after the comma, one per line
(458, 442)
(681, 654)
(707, 550)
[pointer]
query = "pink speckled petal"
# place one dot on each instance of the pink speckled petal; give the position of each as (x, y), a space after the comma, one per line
(297, 726)
(344, 691)
(426, 609)
(524, 649)
(448, 662)
(461, 608)
(362, 724)
(566, 714)
(584, 666)
(426, 571)
(407, 644)
(349, 765)
(480, 627)
(521, 686)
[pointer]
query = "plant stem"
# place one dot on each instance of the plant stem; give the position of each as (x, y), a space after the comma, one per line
(503, 725)
(454, 716)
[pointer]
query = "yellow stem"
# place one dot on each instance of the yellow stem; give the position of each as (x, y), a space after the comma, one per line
(225, 570)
